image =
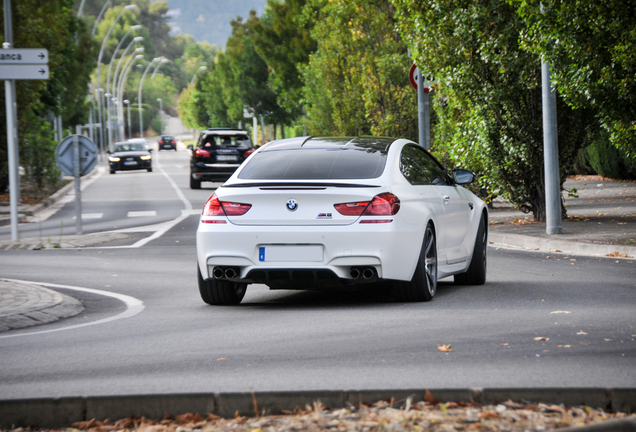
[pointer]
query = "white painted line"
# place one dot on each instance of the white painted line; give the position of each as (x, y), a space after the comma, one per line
(150, 213)
(133, 307)
(182, 197)
(91, 216)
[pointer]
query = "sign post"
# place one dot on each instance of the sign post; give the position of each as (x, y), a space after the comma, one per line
(76, 155)
(423, 87)
(17, 64)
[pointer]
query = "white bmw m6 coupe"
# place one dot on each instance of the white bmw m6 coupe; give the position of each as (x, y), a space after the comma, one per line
(322, 213)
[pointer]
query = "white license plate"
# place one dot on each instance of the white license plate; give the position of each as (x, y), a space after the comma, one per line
(290, 253)
(130, 163)
(226, 158)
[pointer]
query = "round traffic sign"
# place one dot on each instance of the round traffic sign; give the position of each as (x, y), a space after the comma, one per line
(65, 155)
(414, 73)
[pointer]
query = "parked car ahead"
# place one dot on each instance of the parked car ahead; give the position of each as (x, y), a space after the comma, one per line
(130, 156)
(338, 212)
(167, 142)
(218, 153)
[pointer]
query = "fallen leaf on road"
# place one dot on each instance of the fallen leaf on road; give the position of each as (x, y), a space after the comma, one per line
(504, 344)
(560, 312)
(221, 359)
(428, 397)
(608, 340)
(541, 338)
(581, 333)
(444, 348)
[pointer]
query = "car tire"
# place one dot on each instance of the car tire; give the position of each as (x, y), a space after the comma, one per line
(220, 292)
(150, 169)
(194, 184)
(423, 285)
(112, 171)
(476, 273)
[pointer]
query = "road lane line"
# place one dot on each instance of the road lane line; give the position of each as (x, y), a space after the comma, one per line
(133, 307)
(150, 213)
(186, 202)
(90, 216)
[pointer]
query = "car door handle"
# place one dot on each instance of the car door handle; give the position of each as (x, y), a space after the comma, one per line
(446, 199)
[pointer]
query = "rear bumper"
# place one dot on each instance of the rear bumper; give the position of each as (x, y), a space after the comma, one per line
(391, 250)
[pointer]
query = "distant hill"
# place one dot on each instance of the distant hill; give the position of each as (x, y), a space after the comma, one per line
(209, 20)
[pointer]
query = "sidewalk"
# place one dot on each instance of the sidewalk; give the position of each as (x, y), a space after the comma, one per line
(601, 222)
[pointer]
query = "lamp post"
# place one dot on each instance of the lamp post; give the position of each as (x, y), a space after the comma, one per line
(160, 116)
(118, 78)
(99, 17)
(127, 103)
(120, 90)
(202, 68)
(141, 83)
(163, 61)
(99, 59)
(110, 64)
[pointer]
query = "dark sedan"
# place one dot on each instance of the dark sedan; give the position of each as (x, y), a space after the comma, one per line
(130, 156)
(167, 142)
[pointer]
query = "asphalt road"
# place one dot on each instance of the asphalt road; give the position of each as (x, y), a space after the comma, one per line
(288, 340)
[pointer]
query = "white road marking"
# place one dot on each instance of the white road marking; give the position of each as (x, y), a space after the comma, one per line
(133, 307)
(150, 213)
(90, 216)
(182, 197)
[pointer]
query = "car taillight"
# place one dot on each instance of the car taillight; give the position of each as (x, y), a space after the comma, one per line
(248, 152)
(351, 209)
(172, 142)
(214, 207)
(385, 204)
(202, 153)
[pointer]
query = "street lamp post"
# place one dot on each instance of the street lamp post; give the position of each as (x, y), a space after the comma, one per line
(160, 116)
(110, 64)
(163, 61)
(202, 68)
(141, 83)
(127, 103)
(118, 79)
(99, 64)
(120, 90)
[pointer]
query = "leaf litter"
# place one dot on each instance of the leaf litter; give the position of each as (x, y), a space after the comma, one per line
(427, 415)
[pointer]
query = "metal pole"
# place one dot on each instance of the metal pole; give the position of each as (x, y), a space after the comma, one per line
(551, 154)
(255, 128)
(12, 143)
(262, 130)
(141, 83)
(421, 120)
(78, 190)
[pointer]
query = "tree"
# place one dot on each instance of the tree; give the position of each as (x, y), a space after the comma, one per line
(489, 96)
(284, 41)
(356, 82)
(51, 25)
(591, 46)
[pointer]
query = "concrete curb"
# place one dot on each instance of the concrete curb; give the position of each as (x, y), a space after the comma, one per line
(36, 305)
(565, 246)
(63, 412)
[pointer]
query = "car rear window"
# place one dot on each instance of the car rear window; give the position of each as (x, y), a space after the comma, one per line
(226, 141)
(313, 164)
(130, 147)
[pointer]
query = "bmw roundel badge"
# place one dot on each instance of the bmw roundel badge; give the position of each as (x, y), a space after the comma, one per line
(292, 205)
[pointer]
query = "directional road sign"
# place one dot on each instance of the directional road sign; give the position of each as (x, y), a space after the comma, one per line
(23, 71)
(65, 155)
(24, 56)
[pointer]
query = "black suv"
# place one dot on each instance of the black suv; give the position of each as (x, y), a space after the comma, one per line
(219, 152)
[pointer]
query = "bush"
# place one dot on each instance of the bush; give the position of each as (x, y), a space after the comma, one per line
(603, 158)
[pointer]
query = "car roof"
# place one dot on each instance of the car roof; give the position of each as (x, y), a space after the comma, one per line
(344, 143)
(224, 131)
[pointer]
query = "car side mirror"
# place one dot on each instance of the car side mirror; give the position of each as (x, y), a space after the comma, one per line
(464, 177)
(190, 147)
(109, 152)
